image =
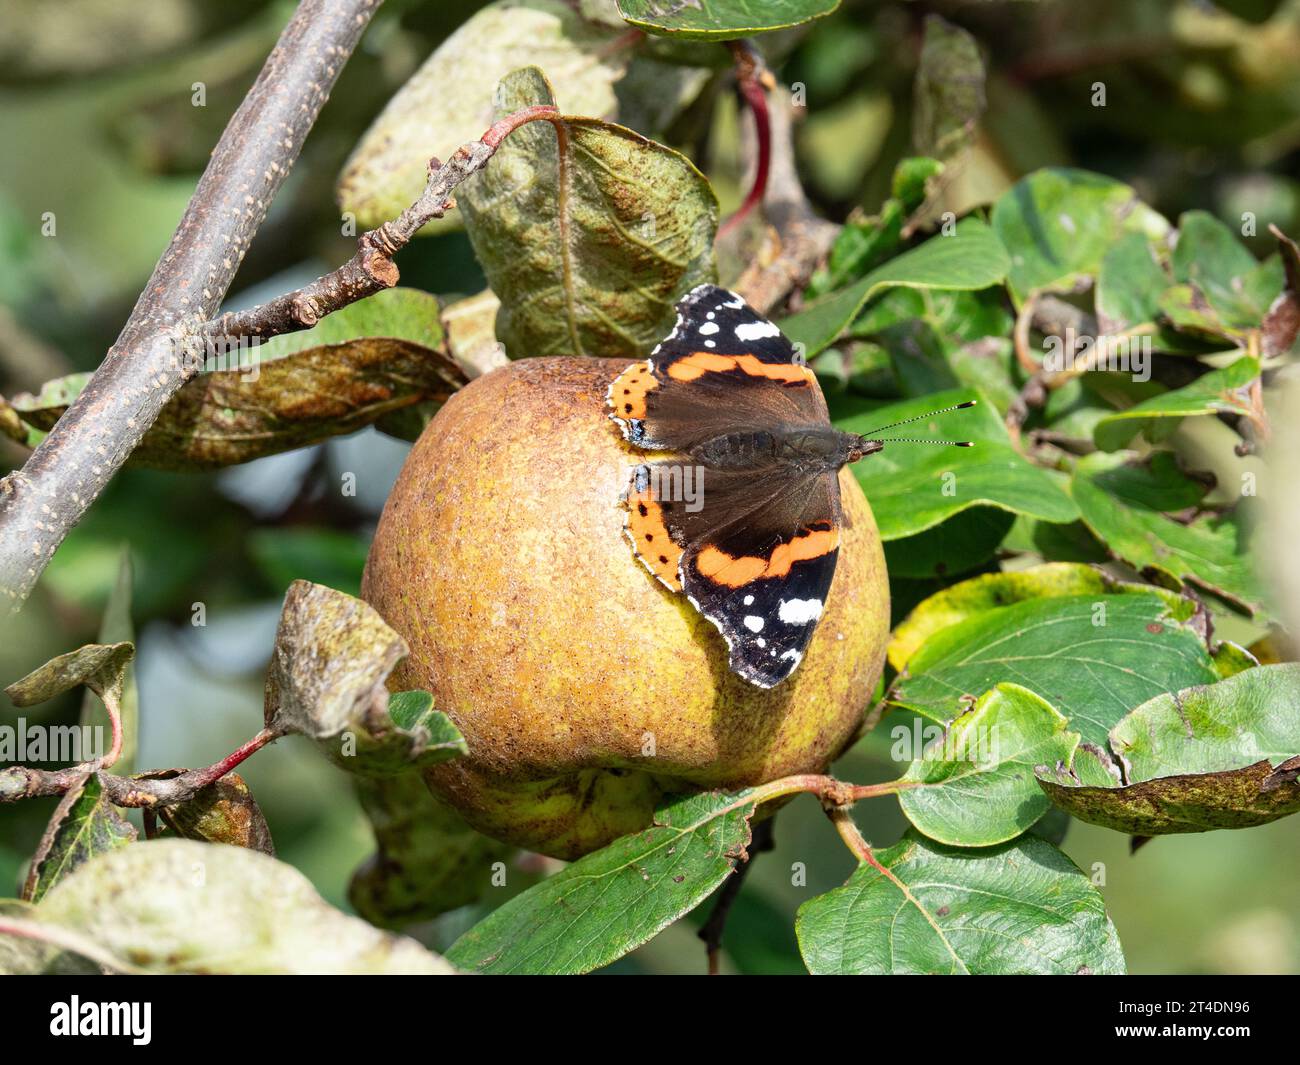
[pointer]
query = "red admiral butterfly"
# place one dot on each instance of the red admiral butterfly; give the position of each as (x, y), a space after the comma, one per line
(747, 521)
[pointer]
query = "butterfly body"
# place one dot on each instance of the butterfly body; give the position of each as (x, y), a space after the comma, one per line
(742, 514)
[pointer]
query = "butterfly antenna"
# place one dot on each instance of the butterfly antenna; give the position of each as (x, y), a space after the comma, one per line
(921, 417)
(921, 440)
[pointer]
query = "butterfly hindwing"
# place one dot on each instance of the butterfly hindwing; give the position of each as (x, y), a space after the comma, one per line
(754, 552)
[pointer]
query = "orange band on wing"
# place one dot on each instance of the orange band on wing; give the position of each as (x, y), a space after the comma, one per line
(698, 363)
(627, 395)
(733, 572)
(650, 539)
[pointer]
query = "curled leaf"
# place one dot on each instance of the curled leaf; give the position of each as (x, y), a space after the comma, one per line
(1218, 755)
(588, 232)
(370, 360)
(332, 655)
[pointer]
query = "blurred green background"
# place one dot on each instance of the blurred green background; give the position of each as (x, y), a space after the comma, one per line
(98, 127)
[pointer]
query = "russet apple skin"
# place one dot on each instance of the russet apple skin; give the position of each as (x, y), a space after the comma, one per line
(584, 688)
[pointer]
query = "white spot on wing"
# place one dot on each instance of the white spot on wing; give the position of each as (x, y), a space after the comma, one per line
(754, 623)
(708, 328)
(799, 611)
(749, 599)
(756, 330)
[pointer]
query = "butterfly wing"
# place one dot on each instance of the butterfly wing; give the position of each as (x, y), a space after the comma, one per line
(754, 551)
(723, 368)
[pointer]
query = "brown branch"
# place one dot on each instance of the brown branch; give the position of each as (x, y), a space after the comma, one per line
(372, 268)
(143, 791)
(156, 351)
(801, 238)
(754, 81)
(712, 929)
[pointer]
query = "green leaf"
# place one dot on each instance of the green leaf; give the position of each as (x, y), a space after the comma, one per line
(1227, 725)
(323, 556)
(913, 488)
(708, 20)
(1221, 755)
(1129, 285)
(415, 736)
(970, 258)
(427, 860)
(448, 101)
(370, 359)
(1219, 391)
(1212, 258)
(588, 232)
(115, 627)
(1093, 657)
(958, 545)
(179, 906)
(1121, 502)
(976, 787)
(1057, 225)
(84, 825)
(1021, 907)
(989, 591)
(949, 90)
(613, 900)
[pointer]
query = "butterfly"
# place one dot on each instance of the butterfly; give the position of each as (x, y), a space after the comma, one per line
(744, 518)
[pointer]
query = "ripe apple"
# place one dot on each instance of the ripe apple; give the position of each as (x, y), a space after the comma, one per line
(585, 689)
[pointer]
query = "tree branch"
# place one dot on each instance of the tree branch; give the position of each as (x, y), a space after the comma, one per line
(372, 268)
(160, 348)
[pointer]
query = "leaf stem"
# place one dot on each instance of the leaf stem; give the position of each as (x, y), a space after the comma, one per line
(753, 79)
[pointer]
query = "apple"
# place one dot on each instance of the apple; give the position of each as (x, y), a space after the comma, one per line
(585, 689)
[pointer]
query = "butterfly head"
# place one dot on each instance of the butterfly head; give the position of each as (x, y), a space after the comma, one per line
(868, 444)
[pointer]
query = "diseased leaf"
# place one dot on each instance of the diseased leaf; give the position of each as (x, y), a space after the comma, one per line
(1219, 755)
(1058, 224)
(1022, 907)
(616, 898)
(224, 812)
(1092, 657)
(1219, 391)
(449, 100)
(588, 232)
(428, 861)
(1122, 500)
(971, 258)
(915, 488)
(179, 906)
(1231, 724)
(331, 657)
(100, 667)
(302, 388)
(1281, 324)
(976, 787)
(721, 19)
(84, 824)
(949, 91)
